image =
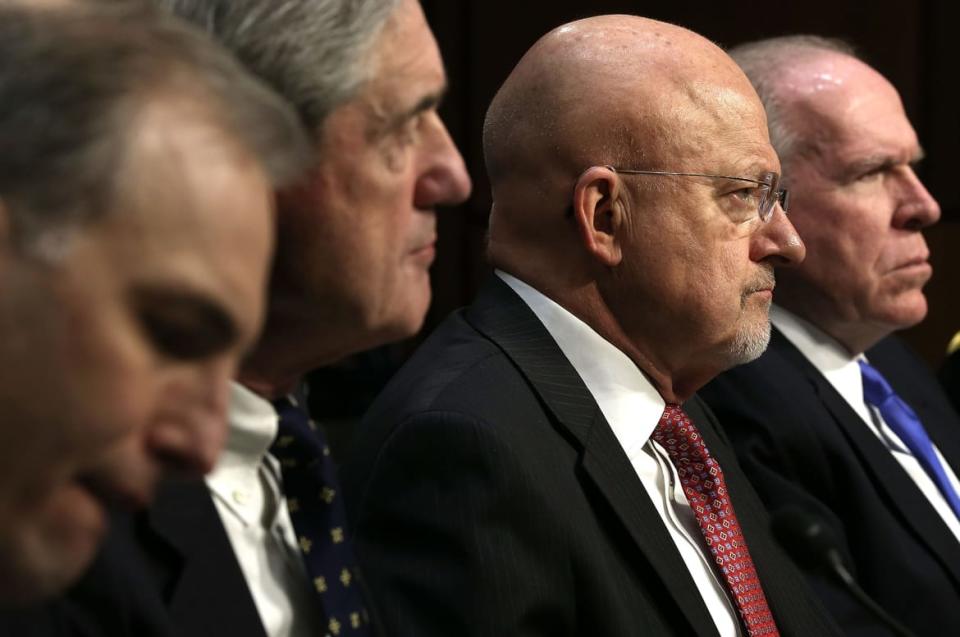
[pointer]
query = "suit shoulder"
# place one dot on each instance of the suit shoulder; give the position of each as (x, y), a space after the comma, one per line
(453, 368)
(775, 383)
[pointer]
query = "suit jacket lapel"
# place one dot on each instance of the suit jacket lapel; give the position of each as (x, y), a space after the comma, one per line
(200, 578)
(887, 473)
(503, 317)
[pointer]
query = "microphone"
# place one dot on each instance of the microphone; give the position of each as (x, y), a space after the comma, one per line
(814, 546)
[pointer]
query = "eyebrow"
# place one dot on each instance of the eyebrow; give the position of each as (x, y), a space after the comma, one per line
(195, 310)
(754, 169)
(424, 104)
(881, 161)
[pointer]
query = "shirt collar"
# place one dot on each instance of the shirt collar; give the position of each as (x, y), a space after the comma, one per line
(629, 402)
(831, 359)
(253, 427)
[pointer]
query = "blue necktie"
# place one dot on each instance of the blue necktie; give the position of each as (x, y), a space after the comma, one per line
(904, 422)
(316, 510)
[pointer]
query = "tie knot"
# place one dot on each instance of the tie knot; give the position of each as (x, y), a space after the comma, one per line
(673, 416)
(674, 423)
(297, 435)
(876, 389)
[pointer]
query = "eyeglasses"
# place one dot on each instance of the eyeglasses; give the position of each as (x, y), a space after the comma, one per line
(766, 195)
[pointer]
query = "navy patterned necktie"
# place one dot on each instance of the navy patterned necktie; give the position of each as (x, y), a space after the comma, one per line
(904, 422)
(316, 510)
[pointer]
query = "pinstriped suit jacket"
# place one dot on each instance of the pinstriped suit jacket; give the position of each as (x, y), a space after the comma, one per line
(490, 497)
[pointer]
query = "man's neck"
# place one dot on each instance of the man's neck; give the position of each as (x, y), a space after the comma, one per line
(266, 389)
(587, 304)
(854, 336)
(281, 357)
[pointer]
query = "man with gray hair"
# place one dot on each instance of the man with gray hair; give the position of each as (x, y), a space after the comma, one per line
(838, 419)
(136, 165)
(265, 550)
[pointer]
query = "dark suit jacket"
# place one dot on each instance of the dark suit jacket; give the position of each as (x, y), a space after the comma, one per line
(109, 605)
(490, 497)
(169, 572)
(189, 582)
(949, 375)
(802, 445)
(195, 572)
(116, 597)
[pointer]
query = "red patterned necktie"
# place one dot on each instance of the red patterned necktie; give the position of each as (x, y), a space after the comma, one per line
(706, 490)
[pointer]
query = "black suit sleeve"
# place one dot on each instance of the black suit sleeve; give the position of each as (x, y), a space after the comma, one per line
(454, 540)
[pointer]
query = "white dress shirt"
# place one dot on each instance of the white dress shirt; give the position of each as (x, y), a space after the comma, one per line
(246, 489)
(632, 407)
(842, 371)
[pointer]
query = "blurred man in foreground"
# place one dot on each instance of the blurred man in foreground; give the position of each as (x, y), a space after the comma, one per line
(136, 167)
(531, 470)
(838, 418)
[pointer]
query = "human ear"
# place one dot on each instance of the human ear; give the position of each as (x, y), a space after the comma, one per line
(598, 212)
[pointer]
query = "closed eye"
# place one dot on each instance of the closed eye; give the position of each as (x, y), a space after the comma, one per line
(750, 194)
(872, 173)
(743, 203)
(185, 327)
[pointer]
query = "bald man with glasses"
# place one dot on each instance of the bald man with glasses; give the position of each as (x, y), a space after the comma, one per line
(542, 465)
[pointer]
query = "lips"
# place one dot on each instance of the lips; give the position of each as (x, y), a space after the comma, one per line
(425, 252)
(427, 247)
(920, 260)
(765, 283)
(916, 270)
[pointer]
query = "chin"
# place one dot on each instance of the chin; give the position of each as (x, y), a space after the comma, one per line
(38, 565)
(406, 327)
(749, 344)
(907, 311)
(40, 580)
(408, 314)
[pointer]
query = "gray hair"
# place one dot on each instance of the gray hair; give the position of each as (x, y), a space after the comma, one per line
(763, 62)
(73, 79)
(316, 53)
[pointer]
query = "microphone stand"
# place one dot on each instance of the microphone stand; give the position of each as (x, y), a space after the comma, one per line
(810, 542)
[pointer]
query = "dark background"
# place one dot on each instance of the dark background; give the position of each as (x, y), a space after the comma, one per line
(914, 44)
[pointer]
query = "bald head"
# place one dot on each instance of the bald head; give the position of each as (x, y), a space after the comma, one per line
(570, 139)
(791, 74)
(616, 89)
(600, 90)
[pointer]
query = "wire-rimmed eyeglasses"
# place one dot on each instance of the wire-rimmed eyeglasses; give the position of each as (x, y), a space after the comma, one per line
(769, 191)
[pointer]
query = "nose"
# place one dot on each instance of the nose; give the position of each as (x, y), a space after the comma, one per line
(916, 207)
(187, 436)
(443, 179)
(777, 241)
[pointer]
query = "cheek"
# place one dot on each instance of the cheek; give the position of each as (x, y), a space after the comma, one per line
(114, 378)
(724, 278)
(844, 260)
(397, 156)
(62, 535)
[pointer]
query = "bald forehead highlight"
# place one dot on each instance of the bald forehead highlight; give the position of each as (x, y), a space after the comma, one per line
(601, 90)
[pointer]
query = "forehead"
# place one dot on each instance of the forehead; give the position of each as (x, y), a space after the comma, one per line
(709, 126)
(195, 211)
(407, 63)
(848, 110)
